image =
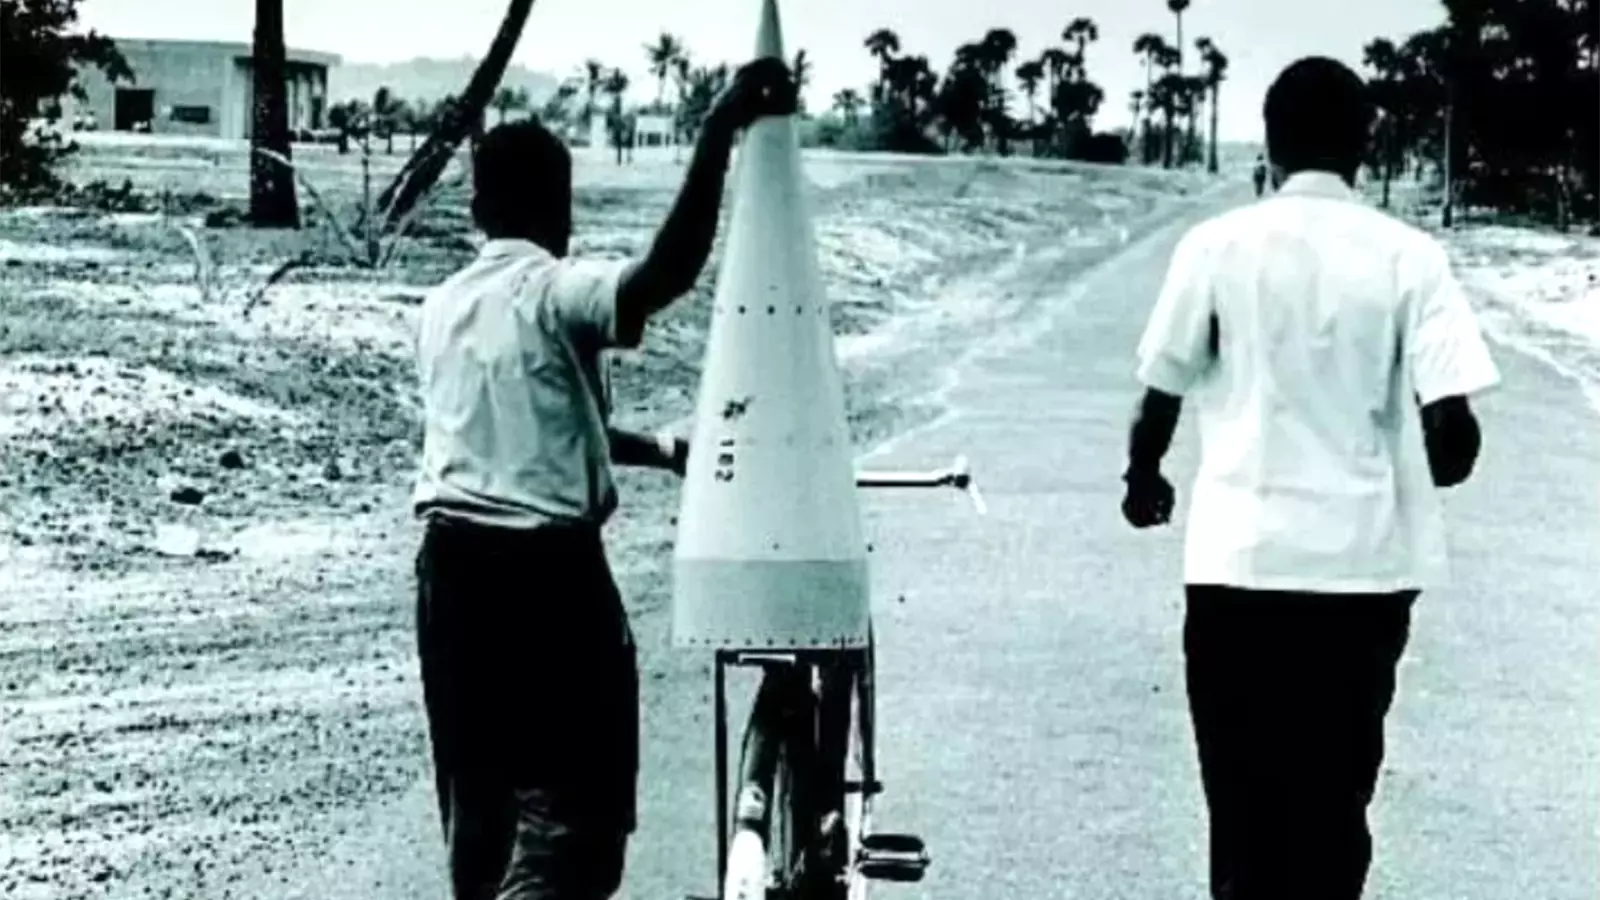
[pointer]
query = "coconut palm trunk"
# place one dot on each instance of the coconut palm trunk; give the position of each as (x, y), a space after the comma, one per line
(272, 196)
(465, 118)
(1211, 157)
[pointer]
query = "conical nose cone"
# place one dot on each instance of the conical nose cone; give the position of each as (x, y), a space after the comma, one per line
(769, 35)
(770, 550)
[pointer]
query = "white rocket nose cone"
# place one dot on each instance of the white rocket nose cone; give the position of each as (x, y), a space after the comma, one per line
(770, 551)
(769, 36)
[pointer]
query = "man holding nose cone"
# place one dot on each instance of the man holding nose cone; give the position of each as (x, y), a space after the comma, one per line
(529, 671)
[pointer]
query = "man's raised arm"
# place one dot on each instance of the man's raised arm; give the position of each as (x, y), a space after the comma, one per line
(668, 270)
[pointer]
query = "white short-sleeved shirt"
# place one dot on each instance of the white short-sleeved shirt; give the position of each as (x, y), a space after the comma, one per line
(514, 391)
(1306, 331)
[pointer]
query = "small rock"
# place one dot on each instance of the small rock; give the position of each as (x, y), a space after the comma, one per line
(188, 496)
(231, 459)
(331, 471)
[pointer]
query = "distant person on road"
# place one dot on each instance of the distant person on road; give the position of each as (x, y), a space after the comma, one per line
(529, 670)
(1330, 354)
(1259, 175)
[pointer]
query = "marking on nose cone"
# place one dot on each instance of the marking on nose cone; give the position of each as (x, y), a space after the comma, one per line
(736, 408)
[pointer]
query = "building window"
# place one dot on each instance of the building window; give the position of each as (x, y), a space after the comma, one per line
(193, 115)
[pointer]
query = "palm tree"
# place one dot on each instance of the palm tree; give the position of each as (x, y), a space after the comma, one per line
(594, 79)
(1216, 63)
(1176, 7)
(1194, 97)
(1151, 46)
(663, 55)
(1389, 68)
(996, 49)
(801, 71)
(272, 197)
(704, 83)
(998, 46)
(1029, 74)
(386, 112)
(1171, 91)
(1082, 31)
(415, 117)
(422, 170)
(883, 44)
(615, 85)
(556, 112)
(510, 99)
(1056, 62)
(848, 103)
(682, 69)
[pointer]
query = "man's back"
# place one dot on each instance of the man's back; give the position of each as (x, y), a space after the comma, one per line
(509, 360)
(1314, 471)
(1310, 298)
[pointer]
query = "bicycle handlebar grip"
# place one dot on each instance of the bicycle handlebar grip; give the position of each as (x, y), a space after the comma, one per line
(960, 474)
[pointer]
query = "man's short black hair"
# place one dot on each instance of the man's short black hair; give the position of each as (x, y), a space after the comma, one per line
(1318, 113)
(521, 180)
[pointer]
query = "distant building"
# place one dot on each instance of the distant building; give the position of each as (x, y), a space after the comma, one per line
(196, 88)
(654, 131)
(649, 129)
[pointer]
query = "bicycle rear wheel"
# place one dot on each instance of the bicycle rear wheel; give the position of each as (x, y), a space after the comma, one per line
(778, 760)
(860, 774)
(841, 780)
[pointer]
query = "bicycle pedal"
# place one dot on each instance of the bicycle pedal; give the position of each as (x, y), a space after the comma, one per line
(900, 872)
(893, 844)
(892, 857)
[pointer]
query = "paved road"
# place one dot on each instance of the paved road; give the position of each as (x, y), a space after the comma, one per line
(1033, 722)
(1035, 726)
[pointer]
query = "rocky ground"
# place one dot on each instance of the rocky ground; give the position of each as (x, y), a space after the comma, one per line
(206, 665)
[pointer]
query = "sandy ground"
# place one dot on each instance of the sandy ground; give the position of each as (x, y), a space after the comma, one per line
(206, 668)
(1539, 292)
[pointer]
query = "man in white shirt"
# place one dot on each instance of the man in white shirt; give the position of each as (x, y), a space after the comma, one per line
(1329, 353)
(529, 671)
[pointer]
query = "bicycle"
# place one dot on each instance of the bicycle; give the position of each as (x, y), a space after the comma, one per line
(807, 769)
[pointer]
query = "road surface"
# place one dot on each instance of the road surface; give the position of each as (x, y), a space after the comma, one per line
(1032, 716)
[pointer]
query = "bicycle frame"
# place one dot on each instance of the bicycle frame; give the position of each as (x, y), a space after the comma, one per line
(958, 476)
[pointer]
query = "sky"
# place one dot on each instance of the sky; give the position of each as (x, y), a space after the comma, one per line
(1260, 37)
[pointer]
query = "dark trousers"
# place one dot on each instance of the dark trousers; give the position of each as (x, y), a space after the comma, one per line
(530, 679)
(1288, 693)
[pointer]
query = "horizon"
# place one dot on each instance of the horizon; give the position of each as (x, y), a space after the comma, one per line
(1260, 37)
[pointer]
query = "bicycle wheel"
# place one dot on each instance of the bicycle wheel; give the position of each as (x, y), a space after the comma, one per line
(790, 823)
(778, 757)
(843, 780)
(861, 780)
(808, 746)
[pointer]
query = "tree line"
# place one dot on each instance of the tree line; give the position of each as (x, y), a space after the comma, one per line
(971, 106)
(1498, 102)
(1500, 105)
